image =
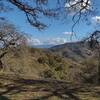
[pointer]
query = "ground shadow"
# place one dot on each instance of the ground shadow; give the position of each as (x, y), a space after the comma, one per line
(60, 89)
(3, 97)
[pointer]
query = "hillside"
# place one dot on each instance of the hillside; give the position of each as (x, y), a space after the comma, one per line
(39, 63)
(64, 62)
(76, 51)
(49, 74)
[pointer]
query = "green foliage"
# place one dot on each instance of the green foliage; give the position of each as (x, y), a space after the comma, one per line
(48, 74)
(56, 66)
(52, 73)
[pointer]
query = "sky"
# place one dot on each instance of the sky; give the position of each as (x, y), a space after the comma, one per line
(58, 31)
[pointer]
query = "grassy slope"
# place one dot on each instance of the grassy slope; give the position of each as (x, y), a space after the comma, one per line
(25, 73)
(38, 63)
(76, 51)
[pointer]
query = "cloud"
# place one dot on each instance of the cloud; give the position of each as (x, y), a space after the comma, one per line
(33, 41)
(68, 33)
(96, 19)
(77, 6)
(52, 41)
(56, 41)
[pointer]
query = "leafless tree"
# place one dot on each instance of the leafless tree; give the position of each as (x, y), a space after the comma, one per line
(94, 43)
(9, 38)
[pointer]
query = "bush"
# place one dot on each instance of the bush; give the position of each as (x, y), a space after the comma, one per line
(59, 67)
(48, 74)
(42, 60)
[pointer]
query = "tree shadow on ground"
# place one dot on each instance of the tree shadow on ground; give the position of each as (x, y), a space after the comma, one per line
(62, 90)
(3, 97)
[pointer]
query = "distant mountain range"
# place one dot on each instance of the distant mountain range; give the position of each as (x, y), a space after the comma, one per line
(43, 46)
(74, 50)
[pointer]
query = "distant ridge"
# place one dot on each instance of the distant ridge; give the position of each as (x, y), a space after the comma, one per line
(74, 50)
(43, 46)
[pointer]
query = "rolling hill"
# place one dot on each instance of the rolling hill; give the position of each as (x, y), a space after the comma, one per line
(49, 74)
(76, 51)
(39, 63)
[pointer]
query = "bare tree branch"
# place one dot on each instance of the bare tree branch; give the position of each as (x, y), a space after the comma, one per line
(35, 10)
(9, 38)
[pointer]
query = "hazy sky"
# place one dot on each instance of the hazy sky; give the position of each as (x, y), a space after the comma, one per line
(58, 32)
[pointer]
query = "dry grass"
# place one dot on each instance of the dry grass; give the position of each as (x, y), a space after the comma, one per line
(15, 88)
(22, 79)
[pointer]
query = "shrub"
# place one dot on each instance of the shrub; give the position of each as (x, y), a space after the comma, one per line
(42, 60)
(48, 74)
